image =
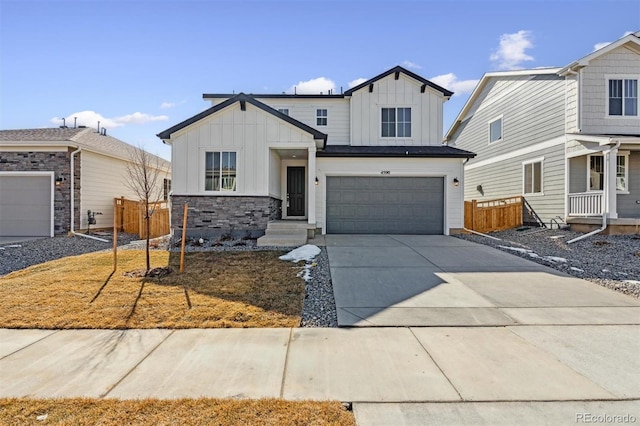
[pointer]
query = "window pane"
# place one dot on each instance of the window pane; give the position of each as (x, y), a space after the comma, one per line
(216, 171)
(528, 179)
(615, 97)
(537, 177)
(596, 173)
(388, 122)
(404, 122)
(285, 111)
(495, 130)
(228, 171)
(631, 97)
(208, 172)
(621, 173)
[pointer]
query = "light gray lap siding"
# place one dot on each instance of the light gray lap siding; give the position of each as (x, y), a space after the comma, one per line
(578, 174)
(504, 179)
(627, 206)
(532, 112)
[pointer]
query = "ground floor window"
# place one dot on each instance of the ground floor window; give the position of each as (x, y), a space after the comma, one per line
(220, 171)
(596, 173)
(532, 177)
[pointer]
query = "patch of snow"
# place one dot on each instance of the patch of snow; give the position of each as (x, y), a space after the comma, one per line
(532, 254)
(519, 250)
(632, 281)
(555, 259)
(605, 270)
(555, 237)
(13, 246)
(577, 269)
(306, 252)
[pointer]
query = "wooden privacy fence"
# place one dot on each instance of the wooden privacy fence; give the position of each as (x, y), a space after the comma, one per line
(493, 215)
(130, 217)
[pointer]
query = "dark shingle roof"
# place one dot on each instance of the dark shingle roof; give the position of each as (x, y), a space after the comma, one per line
(427, 151)
(86, 138)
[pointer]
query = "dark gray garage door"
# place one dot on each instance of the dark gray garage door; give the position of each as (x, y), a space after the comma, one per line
(25, 206)
(385, 205)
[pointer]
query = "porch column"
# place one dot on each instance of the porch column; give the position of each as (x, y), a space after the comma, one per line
(311, 179)
(611, 197)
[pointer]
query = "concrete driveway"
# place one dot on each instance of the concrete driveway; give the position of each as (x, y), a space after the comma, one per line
(436, 280)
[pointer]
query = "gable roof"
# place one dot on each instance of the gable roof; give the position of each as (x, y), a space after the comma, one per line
(241, 97)
(393, 70)
(81, 137)
(483, 82)
(631, 41)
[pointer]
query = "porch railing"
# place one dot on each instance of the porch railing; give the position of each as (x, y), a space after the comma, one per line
(586, 204)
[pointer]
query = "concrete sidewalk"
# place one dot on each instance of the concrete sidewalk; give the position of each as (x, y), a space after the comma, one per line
(536, 363)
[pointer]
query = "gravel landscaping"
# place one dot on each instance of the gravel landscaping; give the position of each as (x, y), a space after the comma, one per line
(15, 256)
(612, 261)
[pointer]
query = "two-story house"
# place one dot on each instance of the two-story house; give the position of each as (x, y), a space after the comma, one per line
(369, 160)
(567, 139)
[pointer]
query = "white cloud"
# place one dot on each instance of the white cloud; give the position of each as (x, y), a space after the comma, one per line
(357, 82)
(167, 105)
(599, 46)
(511, 52)
(450, 81)
(313, 87)
(412, 65)
(91, 118)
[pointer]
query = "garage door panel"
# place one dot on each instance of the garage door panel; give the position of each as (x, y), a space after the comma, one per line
(389, 205)
(25, 205)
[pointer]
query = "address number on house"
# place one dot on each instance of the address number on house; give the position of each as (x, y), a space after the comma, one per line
(385, 172)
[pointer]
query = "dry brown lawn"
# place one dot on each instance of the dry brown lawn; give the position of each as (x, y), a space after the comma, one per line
(217, 289)
(173, 412)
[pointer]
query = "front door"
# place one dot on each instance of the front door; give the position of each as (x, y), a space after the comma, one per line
(295, 191)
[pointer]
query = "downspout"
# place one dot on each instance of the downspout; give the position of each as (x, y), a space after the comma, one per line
(73, 192)
(606, 200)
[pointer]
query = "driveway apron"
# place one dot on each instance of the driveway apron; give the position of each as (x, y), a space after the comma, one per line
(436, 280)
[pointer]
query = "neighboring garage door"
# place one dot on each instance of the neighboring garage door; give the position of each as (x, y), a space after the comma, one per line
(25, 206)
(385, 205)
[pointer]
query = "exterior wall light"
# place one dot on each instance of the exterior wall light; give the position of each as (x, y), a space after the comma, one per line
(317, 181)
(456, 182)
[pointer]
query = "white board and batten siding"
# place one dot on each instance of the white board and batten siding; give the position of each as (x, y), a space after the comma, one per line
(426, 112)
(448, 168)
(619, 63)
(249, 133)
(104, 178)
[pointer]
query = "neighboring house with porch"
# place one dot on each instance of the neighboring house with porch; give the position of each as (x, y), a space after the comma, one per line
(567, 139)
(369, 160)
(45, 174)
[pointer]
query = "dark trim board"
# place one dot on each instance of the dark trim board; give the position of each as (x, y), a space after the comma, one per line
(428, 151)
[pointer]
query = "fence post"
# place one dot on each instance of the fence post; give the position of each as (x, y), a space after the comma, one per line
(474, 206)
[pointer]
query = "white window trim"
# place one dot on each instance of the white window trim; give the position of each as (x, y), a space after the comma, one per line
(624, 154)
(203, 172)
(501, 118)
(325, 117)
(608, 77)
(532, 161)
(404, 138)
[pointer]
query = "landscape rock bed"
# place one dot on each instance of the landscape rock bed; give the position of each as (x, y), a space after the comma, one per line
(15, 256)
(612, 261)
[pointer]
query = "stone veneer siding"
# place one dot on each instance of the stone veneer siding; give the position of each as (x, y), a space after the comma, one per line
(58, 162)
(213, 216)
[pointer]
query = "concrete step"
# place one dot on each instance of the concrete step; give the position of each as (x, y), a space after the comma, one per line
(287, 225)
(282, 240)
(294, 231)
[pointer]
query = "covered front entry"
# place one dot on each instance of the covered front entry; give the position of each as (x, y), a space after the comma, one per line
(296, 191)
(26, 205)
(385, 205)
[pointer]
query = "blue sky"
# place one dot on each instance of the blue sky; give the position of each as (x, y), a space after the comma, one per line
(142, 66)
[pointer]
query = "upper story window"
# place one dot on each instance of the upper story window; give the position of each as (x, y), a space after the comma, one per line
(285, 111)
(321, 117)
(623, 97)
(495, 130)
(220, 171)
(396, 123)
(166, 188)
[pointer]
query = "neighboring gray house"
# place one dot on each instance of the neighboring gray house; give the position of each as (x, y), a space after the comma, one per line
(45, 174)
(567, 139)
(369, 160)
